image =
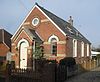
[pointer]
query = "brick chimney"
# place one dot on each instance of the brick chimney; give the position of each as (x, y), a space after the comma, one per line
(70, 20)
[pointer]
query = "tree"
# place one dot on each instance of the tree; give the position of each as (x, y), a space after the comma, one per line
(38, 52)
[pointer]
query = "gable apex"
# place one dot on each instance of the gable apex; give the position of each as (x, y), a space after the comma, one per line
(39, 8)
(20, 26)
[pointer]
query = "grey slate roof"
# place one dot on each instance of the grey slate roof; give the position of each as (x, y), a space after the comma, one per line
(33, 34)
(64, 26)
(5, 37)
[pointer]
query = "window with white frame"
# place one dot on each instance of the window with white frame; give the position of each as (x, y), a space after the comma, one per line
(88, 50)
(53, 46)
(82, 49)
(74, 48)
(53, 41)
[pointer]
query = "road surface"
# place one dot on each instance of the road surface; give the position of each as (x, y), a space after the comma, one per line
(92, 76)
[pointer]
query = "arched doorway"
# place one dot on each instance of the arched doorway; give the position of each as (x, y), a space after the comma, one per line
(23, 45)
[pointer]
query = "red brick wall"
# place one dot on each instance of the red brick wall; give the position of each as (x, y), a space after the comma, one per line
(47, 48)
(70, 47)
(3, 49)
(61, 48)
(15, 50)
(35, 13)
(45, 30)
(79, 59)
(85, 50)
(79, 49)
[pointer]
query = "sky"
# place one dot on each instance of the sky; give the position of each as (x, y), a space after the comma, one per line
(85, 13)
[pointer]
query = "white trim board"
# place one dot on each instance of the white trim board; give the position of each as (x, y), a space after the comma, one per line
(25, 33)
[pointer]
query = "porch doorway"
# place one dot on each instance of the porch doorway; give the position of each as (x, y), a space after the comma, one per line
(23, 53)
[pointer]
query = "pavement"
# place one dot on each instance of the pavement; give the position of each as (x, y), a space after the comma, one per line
(91, 76)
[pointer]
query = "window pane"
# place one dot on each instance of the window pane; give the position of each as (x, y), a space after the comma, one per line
(53, 46)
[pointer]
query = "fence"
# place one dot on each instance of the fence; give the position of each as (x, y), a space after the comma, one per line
(48, 73)
(25, 75)
(63, 72)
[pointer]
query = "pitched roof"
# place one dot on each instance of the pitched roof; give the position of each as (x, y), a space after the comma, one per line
(5, 37)
(66, 27)
(33, 34)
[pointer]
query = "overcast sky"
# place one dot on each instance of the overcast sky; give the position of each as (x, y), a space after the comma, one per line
(85, 13)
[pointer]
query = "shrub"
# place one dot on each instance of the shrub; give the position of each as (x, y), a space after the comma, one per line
(51, 61)
(68, 61)
(2, 68)
(42, 62)
(1, 63)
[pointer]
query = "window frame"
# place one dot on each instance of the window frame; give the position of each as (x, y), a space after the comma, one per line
(88, 50)
(35, 19)
(74, 48)
(50, 39)
(82, 49)
(54, 47)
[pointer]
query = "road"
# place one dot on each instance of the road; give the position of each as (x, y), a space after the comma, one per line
(92, 76)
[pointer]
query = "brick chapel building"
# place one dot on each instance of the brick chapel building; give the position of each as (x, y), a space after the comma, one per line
(58, 37)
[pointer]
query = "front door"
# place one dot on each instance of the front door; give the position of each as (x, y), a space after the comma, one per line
(23, 55)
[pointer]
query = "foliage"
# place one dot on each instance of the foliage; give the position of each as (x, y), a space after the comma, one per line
(2, 67)
(51, 61)
(38, 52)
(98, 56)
(68, 61)
(96, 48)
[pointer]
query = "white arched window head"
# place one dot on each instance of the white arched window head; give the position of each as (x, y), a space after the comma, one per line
(53, 41)
(21, 41)
(53, 36)
(82, 49)
(74, 48)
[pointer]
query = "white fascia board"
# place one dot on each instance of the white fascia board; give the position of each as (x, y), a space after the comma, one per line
(52, 21)
(25, 33)
(6, 45)
(95, 52)
(23, 22)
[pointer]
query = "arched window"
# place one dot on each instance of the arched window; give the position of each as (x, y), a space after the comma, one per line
(82, 49)
(88, 50)
(53, 46)
(53, 41)
(74, 48)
